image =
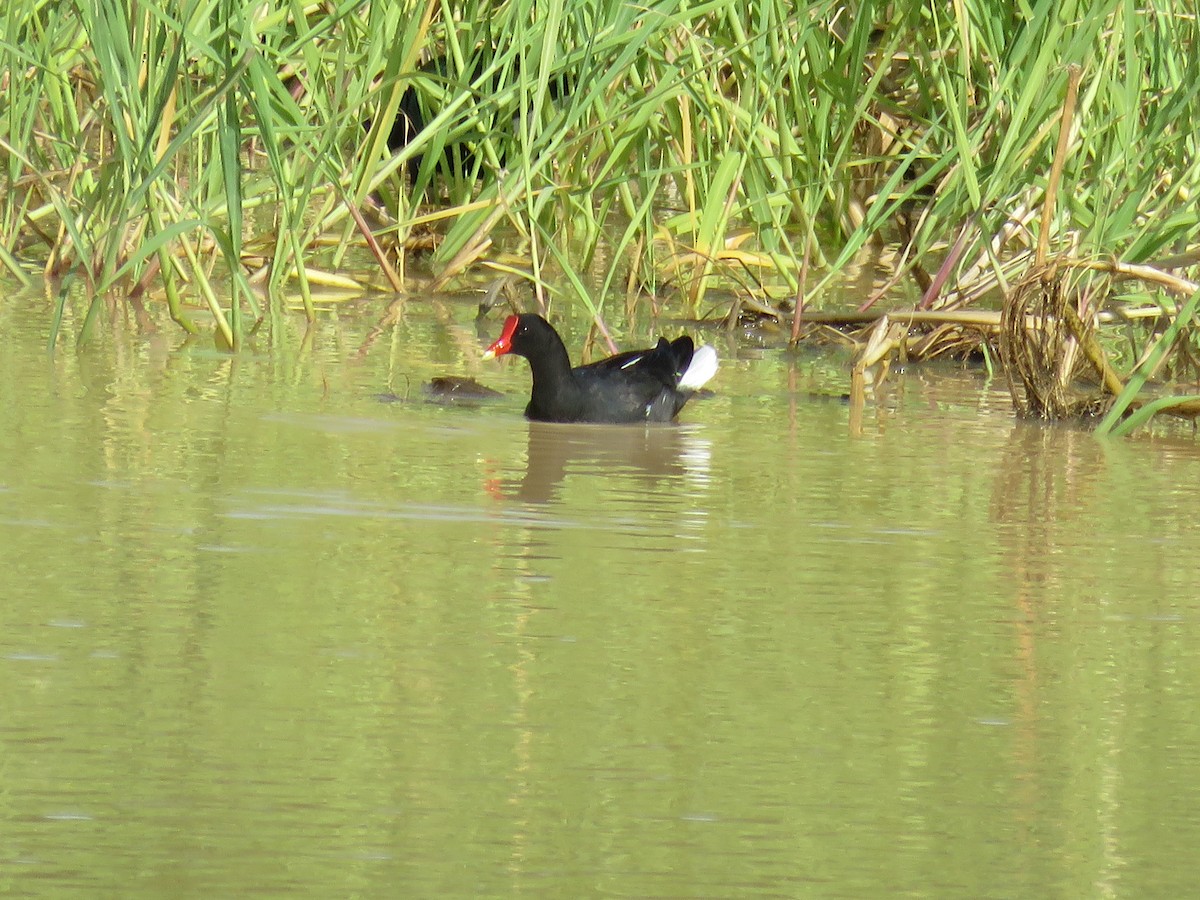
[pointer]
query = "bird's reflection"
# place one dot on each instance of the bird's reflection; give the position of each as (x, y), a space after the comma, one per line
(654, 452)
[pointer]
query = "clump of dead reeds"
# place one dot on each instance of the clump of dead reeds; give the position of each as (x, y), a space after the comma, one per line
(1048, 344)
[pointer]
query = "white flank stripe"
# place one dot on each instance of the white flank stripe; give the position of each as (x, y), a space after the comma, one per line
(702, 368)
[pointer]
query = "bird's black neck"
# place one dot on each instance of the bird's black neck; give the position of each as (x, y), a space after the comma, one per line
(554, 390)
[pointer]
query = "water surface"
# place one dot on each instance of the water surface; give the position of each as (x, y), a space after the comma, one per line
(275, 625)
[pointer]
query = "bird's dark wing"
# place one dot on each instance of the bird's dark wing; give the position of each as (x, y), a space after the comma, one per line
(665, 362)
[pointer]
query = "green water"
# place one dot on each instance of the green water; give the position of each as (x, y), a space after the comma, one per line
(264, 633)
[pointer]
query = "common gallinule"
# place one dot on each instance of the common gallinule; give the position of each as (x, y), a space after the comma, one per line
(435, 85)
(636, 386)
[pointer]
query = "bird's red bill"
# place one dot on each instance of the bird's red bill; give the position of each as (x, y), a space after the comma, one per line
(503, 344)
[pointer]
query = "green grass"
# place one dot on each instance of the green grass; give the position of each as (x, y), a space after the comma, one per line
(211, 154)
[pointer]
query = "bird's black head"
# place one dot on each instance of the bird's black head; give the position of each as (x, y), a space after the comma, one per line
(523, 335)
